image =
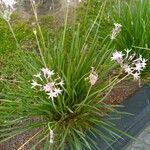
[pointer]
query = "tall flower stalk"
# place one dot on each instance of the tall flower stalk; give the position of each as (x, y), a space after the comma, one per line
(6, 10)
(34, 8)
(39, 48)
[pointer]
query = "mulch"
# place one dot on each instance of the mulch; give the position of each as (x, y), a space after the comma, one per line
(122, 91)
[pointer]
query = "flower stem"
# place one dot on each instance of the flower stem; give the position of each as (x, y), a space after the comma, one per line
(13, 33)
(38, 25)
(41, 53)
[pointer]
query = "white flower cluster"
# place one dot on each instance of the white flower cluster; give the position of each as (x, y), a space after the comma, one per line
(46, 82)
(6, 8)
(93, 77)
(129, 63)
(116, 30)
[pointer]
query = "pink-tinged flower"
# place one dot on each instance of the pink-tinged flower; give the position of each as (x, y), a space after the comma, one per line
(49, 87)
(34, 84)
(138, 67)
(52, 95)
(47, 73)
(140, 63)
(136, 75)
(51, 136)
(127, 69)
(93, 77)
(57, 91)
(116, 30)
(129, 63)
(118, 57)
(52, 86)
(143, 63)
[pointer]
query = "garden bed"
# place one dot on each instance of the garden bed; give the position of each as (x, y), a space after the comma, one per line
(125, 94)
(76, 86)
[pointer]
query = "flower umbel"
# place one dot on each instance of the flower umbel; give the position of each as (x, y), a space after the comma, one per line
(116, 30)
(7, 8)
(129, 63)
(47, 73)
(8, 3)
(93, 77)
(118, 57)
(45, 81)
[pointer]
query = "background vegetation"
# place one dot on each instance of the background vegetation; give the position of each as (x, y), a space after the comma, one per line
(133, 15)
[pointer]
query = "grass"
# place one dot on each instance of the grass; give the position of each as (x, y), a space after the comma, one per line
(129, 37)
(10, 65)
(134, 17)
(90, 9)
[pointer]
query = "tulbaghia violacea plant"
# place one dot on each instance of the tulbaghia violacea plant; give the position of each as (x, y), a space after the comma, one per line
(130, 63)
(63, 113)
(116, 30)
(45, 81)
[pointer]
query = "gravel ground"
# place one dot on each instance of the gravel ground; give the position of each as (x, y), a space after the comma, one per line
(122, 91)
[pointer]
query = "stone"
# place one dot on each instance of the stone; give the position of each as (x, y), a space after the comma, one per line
(147, 139)
(143, 142)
